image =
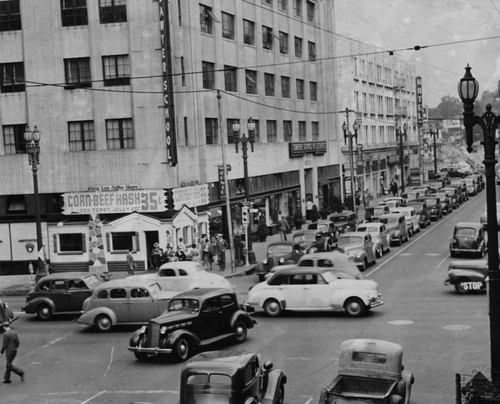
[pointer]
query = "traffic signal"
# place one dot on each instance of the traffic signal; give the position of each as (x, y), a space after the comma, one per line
(244, 215)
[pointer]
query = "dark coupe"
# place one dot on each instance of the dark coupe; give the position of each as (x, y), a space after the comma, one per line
(279, 253)
(468, 238)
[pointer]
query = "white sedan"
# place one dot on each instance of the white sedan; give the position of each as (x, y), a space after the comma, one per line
(313, 289)
(181, 276)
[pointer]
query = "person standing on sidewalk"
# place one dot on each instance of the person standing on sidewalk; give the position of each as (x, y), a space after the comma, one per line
(130, 263)
(220, 249)
(284, 227)
(9, 346)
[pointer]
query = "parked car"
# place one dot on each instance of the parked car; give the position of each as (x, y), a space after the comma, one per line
(279, 253)
(434, 206)
(424, 216)
(194, 320)
(314, 240)
(412, 219)
(344, 221)
(460, 184)
(313, 289)
(60, 293)
(129, 300)
(454, 194)
(328, 228)
(231, 377)
(484, 216)
(472, 186)
(380, 237)
(400, 201)
(396, 226)
(454, 173)
(334, 261)
(446, 205)
(179, 276)
(370, 371)
(468, 238)
(467, 275)
(358, 245)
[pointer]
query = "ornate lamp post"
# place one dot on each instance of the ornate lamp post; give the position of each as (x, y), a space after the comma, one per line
(32, 139)
(245, 140)
(468, 89)
(434, 133)
(401, 132)
(349, 135)
(359, 149)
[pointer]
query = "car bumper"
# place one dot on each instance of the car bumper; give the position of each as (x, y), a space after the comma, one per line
(150, 351)
(377, 302)
(465, 250)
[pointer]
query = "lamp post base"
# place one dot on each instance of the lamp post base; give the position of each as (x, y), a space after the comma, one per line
(251, 257)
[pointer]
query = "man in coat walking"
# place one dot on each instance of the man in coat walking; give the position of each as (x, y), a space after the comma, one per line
(9, 346)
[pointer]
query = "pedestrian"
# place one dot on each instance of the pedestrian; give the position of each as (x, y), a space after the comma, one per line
(157, 256)
(9, 346)
(394, 187)
(6, 313)
(130, 263)
(220, 250)
(49, 268)
(309, 208)
(208, 253)
(284, 227)
(193, 253)
(181, 250)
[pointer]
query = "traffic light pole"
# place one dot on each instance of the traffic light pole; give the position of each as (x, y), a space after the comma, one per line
(245, 220)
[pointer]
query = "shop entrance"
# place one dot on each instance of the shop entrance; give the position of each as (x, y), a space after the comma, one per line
(151, 239)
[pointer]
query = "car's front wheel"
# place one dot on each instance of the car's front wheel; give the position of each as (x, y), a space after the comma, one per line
(44, 312)
(240, 331)
(272, 308)
(182, 349)
(103, 323)
(355, 307)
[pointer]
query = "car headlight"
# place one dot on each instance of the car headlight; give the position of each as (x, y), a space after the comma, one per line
(143, 329)
(264, 261)
(281, 260)
(163, 330)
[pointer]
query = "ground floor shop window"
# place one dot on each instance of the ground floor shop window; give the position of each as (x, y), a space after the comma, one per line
(72, 243)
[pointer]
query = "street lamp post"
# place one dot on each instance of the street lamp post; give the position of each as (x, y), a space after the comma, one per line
(434, 134)
(349, 135)
(32, 139)
(468, 89)
(245, 140)
(401, 132)
(359, 149)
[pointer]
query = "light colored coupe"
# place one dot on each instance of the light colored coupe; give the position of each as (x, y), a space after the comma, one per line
(181, 276)
(380, 237)
(313, 289)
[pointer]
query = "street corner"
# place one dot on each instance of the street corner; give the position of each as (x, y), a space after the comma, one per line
(242, 271)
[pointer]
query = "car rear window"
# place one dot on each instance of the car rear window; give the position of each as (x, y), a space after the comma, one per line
(369, 357)
(466, 232)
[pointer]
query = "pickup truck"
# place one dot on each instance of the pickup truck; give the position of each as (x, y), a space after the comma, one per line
(370, 371)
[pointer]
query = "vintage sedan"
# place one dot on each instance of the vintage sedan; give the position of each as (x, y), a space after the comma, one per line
(334, 261)
(454, 195)
(231, 377)
(180, 276)
(358, 245)
(124, 301)
(344, 221)
(467, 276)
(279, 253)
(194, 320)
(423, 213)
(313, 289)
(396, 226)
(328, 228)
(446, 203)
(380, 237)
(434, 206)
(60, 293)
(484, 216)
(313, 240)
(468, 238)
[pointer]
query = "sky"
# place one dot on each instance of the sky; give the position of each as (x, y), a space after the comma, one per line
(455, 32)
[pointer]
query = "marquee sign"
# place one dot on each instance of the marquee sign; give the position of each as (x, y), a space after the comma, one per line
(139, 200)
(298, 149)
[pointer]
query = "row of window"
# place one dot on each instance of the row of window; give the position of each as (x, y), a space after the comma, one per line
(268, 36)
(73, 13)
(212, 131)
(297, 8)
(77, 72)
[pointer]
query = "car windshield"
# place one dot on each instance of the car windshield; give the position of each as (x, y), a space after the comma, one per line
(390, 219)
(304, 237)
(431, 201)
(379, 210)
(339, 219)
(466, 232)
(416, 205)
(91, 281)
(350, 240)
(279, 249)
(184, 305)
(369, 229)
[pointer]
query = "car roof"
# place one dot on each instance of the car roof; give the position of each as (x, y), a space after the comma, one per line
(469, 224)
(180, 264)
(353, 233)
(202, 293)
(66, 275)
(296, 270)
(391, 215)
(291, 243)
(229, 362)
(129, 281)
(307, 231)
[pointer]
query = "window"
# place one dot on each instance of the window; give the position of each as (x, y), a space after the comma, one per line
(284, 43)
(186, 132)
(312, 50)
(285, 87)
(72, 242)
(256, 132)
(120, 134)
(248, 32)
(206, 20)
(81, 136)
(297, 8)
(12, 77)
(298, 47)
(251, 81)
(13, 139)
(302, 131)
(116, 70)
(74, 12)
(311, 11)
(112, 11)
(208, 73)
(315, 130)
(227, 26)
(77, 72)
(230, 137)
(211, 305)
(230, 78)
(268, 2)
(300, 89)
(138, 293)
(118, 293)
(123, 241)
(10, 15)
(283, 5)
(287, 131)
(271, 131)
(313, 90)
(267, 38)
(269, 84)
(183, 73)
(16, 204)
(211, 131)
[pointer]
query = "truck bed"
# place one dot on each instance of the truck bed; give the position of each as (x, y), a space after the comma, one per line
(358, 390)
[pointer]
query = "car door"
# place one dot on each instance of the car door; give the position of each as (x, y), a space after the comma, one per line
(141, 305)
(77, 292)
(118, 302)
(368, 247)
(292, 290)
(168, 278)
(316, 292)
(208, 324)
(59, 294)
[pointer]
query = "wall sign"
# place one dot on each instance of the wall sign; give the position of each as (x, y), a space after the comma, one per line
(298, 149)
(420, 108)
(192, 196)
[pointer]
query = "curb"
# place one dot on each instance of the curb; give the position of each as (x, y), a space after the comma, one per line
(245, 272)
